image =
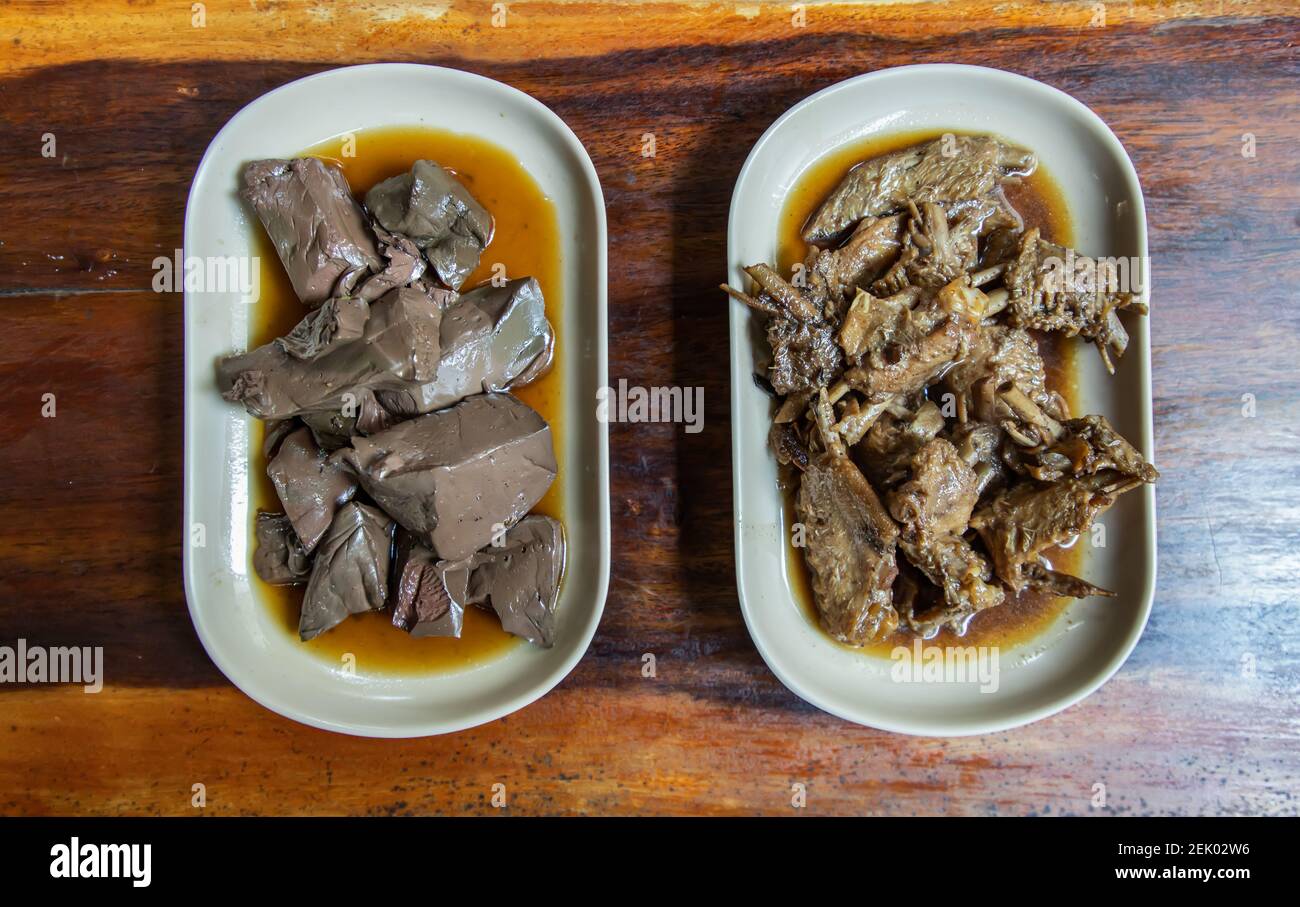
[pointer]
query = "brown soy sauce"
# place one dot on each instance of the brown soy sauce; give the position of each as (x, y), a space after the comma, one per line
(526, 241)
(1040, 202)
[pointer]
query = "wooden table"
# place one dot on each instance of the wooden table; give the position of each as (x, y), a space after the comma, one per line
(1202, 719)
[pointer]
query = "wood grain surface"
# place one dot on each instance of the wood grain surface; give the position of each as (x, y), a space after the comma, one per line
(1203, 718)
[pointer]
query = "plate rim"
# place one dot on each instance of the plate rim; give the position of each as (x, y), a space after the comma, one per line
(737, 329)
(592, 189)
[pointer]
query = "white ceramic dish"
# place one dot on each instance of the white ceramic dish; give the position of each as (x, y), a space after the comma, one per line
(1093, 638)
(233, 623)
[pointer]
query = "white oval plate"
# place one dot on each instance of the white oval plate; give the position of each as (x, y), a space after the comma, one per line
(1092, 639)
(235, 626)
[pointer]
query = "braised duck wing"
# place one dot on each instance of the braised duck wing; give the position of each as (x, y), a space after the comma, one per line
(1020, 523)
(850, 542)
(350, 572)
(1025, 422)
(519, 579)
(318, 229)
(310, 486)
(948, 169)
(435, 210)
(1053, 288)
(453, 476)
(1000, 247)
(279, 559)
(491, 339)
(1085, 447)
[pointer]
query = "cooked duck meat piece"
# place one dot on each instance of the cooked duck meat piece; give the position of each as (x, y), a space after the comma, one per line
(912, 593)
(1049, 294)
(985, 216)
(793, 408)
(777, 297)
(948, 169)
(453, 475)
(1049, 450)
(940, 244)
(1020, 523)
(933, 508)
(1060, 584)
(960, 572)
(922, 274)
(787, 445)
(939, 496)
(1086, 447)
(350, 573)
(491, 339)
(856, 418)
(1025, 422)
(344, 347)
(805, 356)
(1000, 355)
(931, 256)
(439, 214)
(872, 246)
(885, 453)
(404, 265)
(309, 485)
(910, 364)
(870, 322)
(980, 444)
(520, 580)
(850, 542)
(421, 605)
(920, 604)
(318, 229)
(1000, 247)
(909, 354)
(279, 559)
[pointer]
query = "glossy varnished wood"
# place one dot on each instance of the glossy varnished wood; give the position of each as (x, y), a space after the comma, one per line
(1202, 718)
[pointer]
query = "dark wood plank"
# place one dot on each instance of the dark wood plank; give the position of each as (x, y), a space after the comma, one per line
(90, 549)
